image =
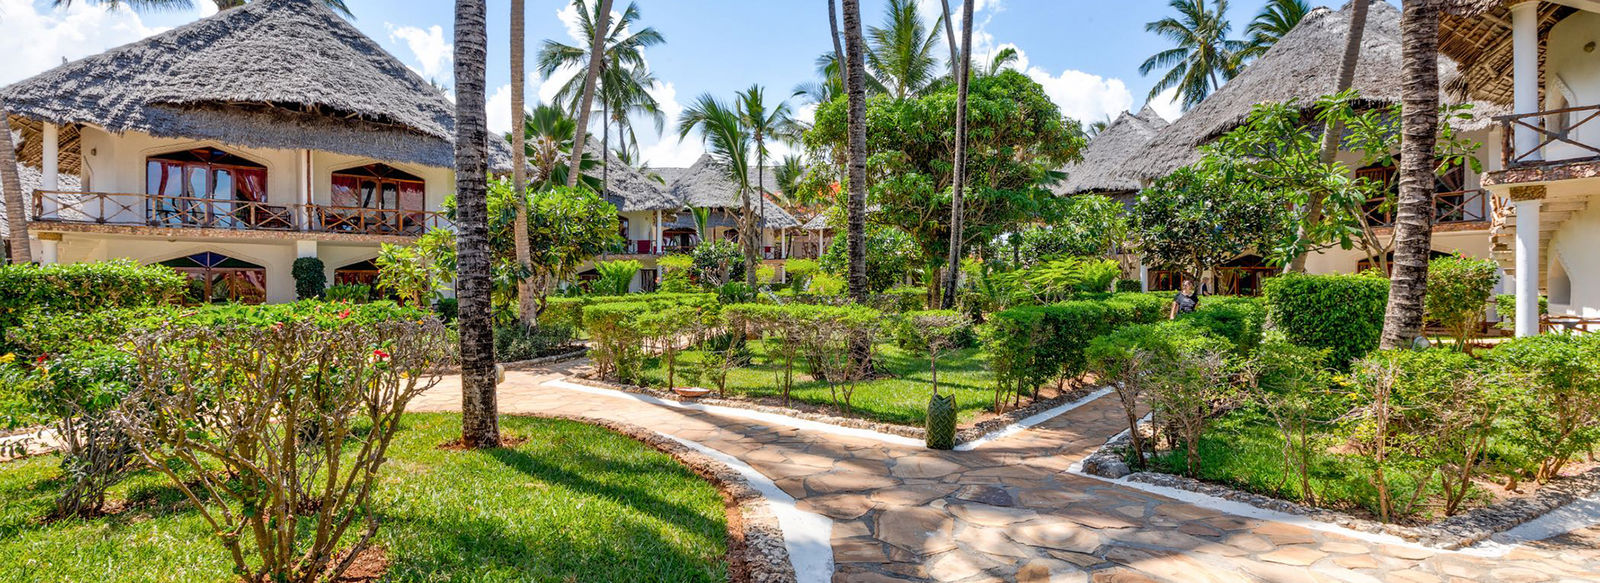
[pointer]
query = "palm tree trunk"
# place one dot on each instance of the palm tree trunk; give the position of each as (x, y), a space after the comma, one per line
(1419, 127)
(838, 53)
(480, 424)
(747, 233)
(597, 49)
(957, 213)
(761, 182)
(526, 310)
(855, 88)
(605, 147)
(16, 214)
(1335, 131)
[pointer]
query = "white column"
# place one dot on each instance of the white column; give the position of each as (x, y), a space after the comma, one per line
(1527, 253)
(655, 244)
(1144, 277)
(1525, 74)
(50, 165)
(304, 191)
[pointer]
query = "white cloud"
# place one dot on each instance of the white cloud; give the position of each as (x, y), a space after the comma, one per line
(1081, 96)
(35, 38)
(498, 110)
(667, 151)
(432, 52)
(1166, 103)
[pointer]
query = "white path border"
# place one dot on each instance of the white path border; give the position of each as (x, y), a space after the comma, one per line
(806, 535)
(761, 416)
(1033, 420)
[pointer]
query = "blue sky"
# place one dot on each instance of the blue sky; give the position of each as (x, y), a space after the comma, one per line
(1085, 52)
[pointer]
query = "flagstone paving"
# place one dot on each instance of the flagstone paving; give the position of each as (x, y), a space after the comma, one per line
(1009, 511)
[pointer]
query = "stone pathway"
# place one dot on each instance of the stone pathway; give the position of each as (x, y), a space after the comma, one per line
(1009, 511)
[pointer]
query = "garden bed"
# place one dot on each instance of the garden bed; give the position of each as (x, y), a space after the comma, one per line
(898, 401)
(573, 502)
(1501, 512)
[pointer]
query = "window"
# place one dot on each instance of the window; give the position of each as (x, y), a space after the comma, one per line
(199, 188)
(362, 273)
(378, 186)
(1243, 276)
(216, 278)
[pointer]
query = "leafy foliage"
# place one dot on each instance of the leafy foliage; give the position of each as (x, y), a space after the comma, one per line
(717, 263)
(1196, 218)
(78, 286)
(1458, 293)
(310, 279)
(890, 255)
(1556, 412)
(1340, 313)
(616, 277)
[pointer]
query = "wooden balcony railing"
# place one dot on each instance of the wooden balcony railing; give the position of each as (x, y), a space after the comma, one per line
(1513, 154)
(1461, 206)
(154, 210)
(1575, 324)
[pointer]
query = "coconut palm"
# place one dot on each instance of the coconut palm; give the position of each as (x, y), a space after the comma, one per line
(1276, 19)
(1203, 57)
(526, 311)
(1331, 134)
(1419, 127)
(624, 95)
(790, 174)
(480, 424)
(598, 22)
(961, 71)
(856, 165)
(722, 128)
(1006, 56)
(548, 135)
(16, 214)
(763, 124)
(902, 53)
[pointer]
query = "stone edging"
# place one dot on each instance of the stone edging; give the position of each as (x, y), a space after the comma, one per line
(1453, 533)
(756, 551)
(974, 432)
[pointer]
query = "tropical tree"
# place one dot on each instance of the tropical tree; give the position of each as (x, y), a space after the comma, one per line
(1419, 126)
(600, 21)
(762, 124)
(623, 95)
(548, 141)
(16, 214)
(856, 156)
(902, 50)
(1276, 19)
(480, 423)
(960, 65)
(1332, 130)
(722, 128)
(519, 161)
(1203, 57)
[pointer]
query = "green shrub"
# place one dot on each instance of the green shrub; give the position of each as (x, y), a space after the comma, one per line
(1342, 313)
(1129, 286)
(1557, 409)
(617, 346)
(1238, 319)
(448, 309)
(798, 272)
(899, 299)
(1458, 293)
(568, 311)
(1506, 306)
(717, 262)
(1174, 365)
(82, 286)
(826, 284)
(515, 342)
(676, 271)
(355, 293)
(1033, 344)
(310, 279)
(909, 336)
(616, 277)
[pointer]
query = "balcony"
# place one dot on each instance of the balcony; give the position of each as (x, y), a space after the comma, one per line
(1454, 207)
(1559, 136)
(178, 212)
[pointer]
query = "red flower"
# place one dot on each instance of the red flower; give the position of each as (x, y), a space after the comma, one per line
(277, 327)
(344, 314)
(41, 359)
(380, 354)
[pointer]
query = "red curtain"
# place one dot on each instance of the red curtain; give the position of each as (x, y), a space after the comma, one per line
(345, 191)
(251, 184)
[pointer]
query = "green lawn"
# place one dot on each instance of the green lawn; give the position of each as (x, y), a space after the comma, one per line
(900, 398)
(574, 503)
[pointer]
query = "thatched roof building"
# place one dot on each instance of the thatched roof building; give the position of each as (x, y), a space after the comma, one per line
(706, 184)
(1479, 38)
(1104, 167)
(1303, 65)
(281, 74)
(631, 190)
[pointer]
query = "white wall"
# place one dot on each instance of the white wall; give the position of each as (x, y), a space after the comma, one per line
(1574, 247)
(1574, 74)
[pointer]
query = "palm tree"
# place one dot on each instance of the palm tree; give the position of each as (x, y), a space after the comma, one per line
(724, 132)
(600, 20)
(856, 167)
(1203, 58)
(1006, 56)
(1276, 19)
(961, 72)
(623, 79)
(480, 423)
(1331, 134)
(526, 311)
(762, 124)
(16, 214)
(1095, 127)
(623, 95)
(790, 174)
(1419, 127)
(548, 132)
(902, 53)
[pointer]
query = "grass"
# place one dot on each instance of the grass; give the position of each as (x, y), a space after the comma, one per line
(1243, 449)
(901, 398)
(574, 503)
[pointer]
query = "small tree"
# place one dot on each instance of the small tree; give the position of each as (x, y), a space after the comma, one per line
(676, 272)
(1557, 411)
(1188, 389)
(1128, 360)
(1458, 292)
(1292, 385)
(81, 391)
(1197, 217)
(415, 273)
(717, 263)
(616, 277)
(672, 328)
(310, 279)
(276, 434)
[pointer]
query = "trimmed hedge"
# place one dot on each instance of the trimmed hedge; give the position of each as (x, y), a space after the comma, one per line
(1030, 345)
(1238, 319)
(1340, 313)
(77, 287)
(569, 311)
(906, 335)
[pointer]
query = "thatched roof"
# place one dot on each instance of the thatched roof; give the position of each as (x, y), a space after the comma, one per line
(631, 190)
(1107, 155)
(706, 184)
(1481, 42)
(817, 223)
(30, 177)
(1303, 65)
(283, 74)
